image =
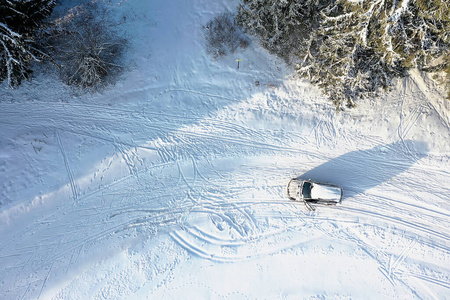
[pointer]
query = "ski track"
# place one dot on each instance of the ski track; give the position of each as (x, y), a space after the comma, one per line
(73, 184)
(196, 195)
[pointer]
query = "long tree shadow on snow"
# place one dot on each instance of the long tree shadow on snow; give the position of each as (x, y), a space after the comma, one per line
(359, 171)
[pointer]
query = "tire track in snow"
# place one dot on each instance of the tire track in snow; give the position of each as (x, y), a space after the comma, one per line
(95, 229)
(429, 279)
(196, 249)
(91, 236)
(182, 133)
(378, 255)
(230, 221)
(91, 112)
(184, 240)
(228, 210)
(262, 146)
(369, 214)
(411, 224)
(387, 266)
(125, 209)
(227, 126)
(421, 216)
(395, 204)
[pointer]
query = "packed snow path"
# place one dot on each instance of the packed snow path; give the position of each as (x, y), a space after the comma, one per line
(176, 187)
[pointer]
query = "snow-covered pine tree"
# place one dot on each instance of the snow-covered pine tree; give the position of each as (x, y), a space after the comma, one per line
(360, 46)
(352, 48)
(439, 11)
(446, 59)
(18, 21)
(282, 24)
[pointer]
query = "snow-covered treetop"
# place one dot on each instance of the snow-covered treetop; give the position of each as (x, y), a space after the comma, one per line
(352, 48)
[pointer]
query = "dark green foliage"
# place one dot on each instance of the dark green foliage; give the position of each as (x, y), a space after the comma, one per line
(281, 25)
(352, 49)
(446, 69)
(19, 21)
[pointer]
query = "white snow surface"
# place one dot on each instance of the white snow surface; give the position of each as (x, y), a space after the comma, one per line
(170, 184)
(325, 192)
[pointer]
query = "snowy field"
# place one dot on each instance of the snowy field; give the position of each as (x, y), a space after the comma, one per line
(171, 183)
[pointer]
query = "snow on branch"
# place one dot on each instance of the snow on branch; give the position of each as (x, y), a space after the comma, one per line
(361, 46)
(9, 31)
(394, 17)
(87, 45)
(19, 21)
(13, 56)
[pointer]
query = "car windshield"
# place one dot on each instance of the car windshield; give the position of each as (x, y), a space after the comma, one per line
(306, 191)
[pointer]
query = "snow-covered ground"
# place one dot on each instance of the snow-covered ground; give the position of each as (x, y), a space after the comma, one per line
(171, 183)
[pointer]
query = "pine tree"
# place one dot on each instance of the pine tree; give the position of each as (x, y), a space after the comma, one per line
(281, 25)
(361, 46)
(19, 19)
(339, 57)
(349, 48)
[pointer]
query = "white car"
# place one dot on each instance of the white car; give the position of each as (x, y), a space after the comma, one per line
(308, 191)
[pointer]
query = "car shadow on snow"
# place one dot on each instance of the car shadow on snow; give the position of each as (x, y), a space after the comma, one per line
(359, 171)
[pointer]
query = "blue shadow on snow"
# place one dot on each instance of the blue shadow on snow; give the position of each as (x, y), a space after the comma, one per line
(362, 170)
